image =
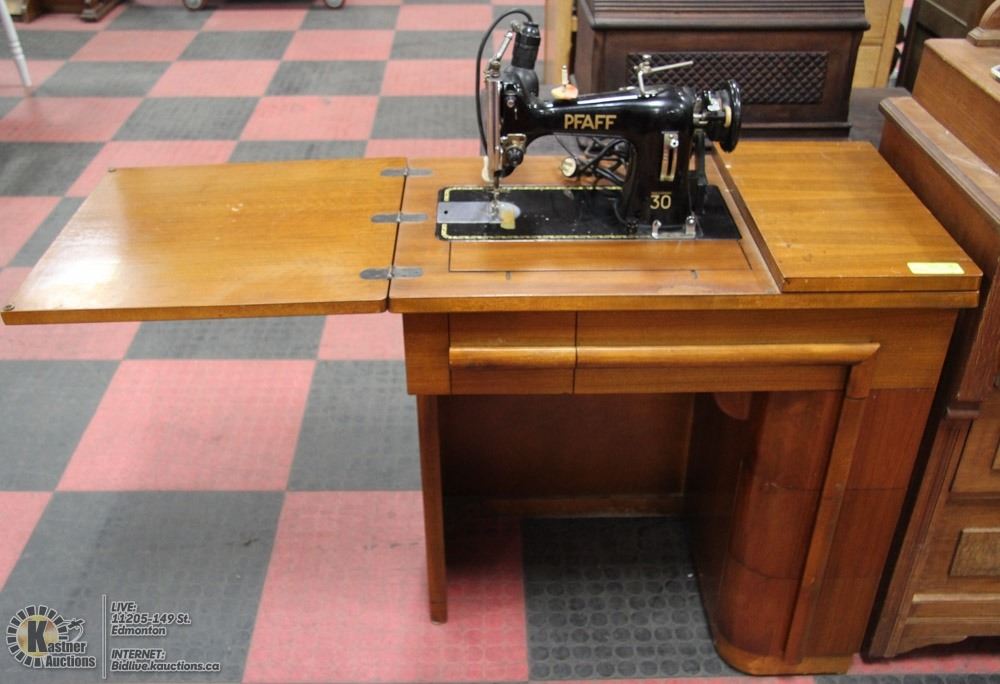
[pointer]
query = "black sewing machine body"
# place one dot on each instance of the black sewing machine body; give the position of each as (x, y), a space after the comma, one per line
(657, 187)
(658, 131)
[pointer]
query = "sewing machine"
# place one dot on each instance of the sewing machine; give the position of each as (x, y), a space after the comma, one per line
(632, 165)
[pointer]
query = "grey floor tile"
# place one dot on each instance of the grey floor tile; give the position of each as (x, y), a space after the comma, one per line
(7, 104)
(48, 44)
(42, 168)
(327, 78)
(201, 553)
(437, 45)
(238, 45)
(157, 18)
(103, 79)
(614, 598)
(35, 247)
(359, 431)
(241, 338)
(426, 117)
(281, 150)
(46, 408)
(351, 17)
(188, 118)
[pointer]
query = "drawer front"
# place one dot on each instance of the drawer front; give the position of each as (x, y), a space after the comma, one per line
(512, 353)
(963, 558)
(979, 468)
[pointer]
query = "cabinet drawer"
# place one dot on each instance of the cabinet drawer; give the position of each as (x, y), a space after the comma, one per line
(979, 468)
(962, 576)
(512, 353)
(963, 554)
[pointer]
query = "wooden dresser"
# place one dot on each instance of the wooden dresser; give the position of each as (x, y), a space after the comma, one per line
(935, 19)
(945, 143)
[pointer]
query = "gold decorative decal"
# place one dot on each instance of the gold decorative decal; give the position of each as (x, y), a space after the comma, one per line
(935, 268)
(589, 122)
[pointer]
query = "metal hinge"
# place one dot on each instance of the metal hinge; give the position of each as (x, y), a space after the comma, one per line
(399, 217)
(405, 171)
(392, 272)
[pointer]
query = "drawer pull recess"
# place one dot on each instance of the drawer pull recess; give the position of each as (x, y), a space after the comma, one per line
(512, 358)
(522, 358)
(726, 355)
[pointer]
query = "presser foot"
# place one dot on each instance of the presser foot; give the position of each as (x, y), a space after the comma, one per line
(492, 212)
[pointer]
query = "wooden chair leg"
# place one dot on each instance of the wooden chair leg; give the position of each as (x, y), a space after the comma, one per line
(16, 51)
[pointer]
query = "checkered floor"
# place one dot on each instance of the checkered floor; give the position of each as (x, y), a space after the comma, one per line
(261, 475)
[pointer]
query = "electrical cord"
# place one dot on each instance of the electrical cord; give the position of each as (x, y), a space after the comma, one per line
(479, 60)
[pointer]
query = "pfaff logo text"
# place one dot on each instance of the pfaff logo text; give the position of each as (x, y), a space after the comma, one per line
(588, 122)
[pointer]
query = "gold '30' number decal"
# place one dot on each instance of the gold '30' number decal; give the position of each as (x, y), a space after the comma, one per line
(659, 200)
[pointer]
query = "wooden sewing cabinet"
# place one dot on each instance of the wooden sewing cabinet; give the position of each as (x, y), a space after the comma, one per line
(773, 388)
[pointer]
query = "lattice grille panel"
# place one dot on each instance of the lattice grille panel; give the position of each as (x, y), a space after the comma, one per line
(763, 77)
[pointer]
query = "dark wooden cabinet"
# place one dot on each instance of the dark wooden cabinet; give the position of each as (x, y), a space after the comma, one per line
(935, 19)
(794, 59)
(945, 144)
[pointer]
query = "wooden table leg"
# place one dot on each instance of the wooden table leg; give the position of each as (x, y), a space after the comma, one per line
(430, 475)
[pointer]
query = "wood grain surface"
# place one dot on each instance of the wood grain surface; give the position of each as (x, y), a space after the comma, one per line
(266, 239)
(954, 82)
(827, 218)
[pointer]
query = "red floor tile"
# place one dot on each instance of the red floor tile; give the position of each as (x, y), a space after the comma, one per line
(193, 425)
(428, 77)
(312, 118)
(215, 78)
(123, 154)
(19, 217)
(372, 2)
(948, 659)
(45, 342)
(256, 18)
(66, 119)
(39, 70)
(362, 336)
(523, 3)
(135, 46)
(340, 45)
(20, 512)
(444, 17)
(460, 147)
(350, 565)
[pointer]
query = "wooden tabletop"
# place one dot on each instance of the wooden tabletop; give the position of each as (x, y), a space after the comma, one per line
(835, 217)
(826, 220)
(231, 240)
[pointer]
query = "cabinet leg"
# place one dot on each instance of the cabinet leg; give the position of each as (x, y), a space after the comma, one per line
(430, 476)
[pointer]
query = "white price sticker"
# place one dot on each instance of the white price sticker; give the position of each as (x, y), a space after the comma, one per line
(935, 268)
